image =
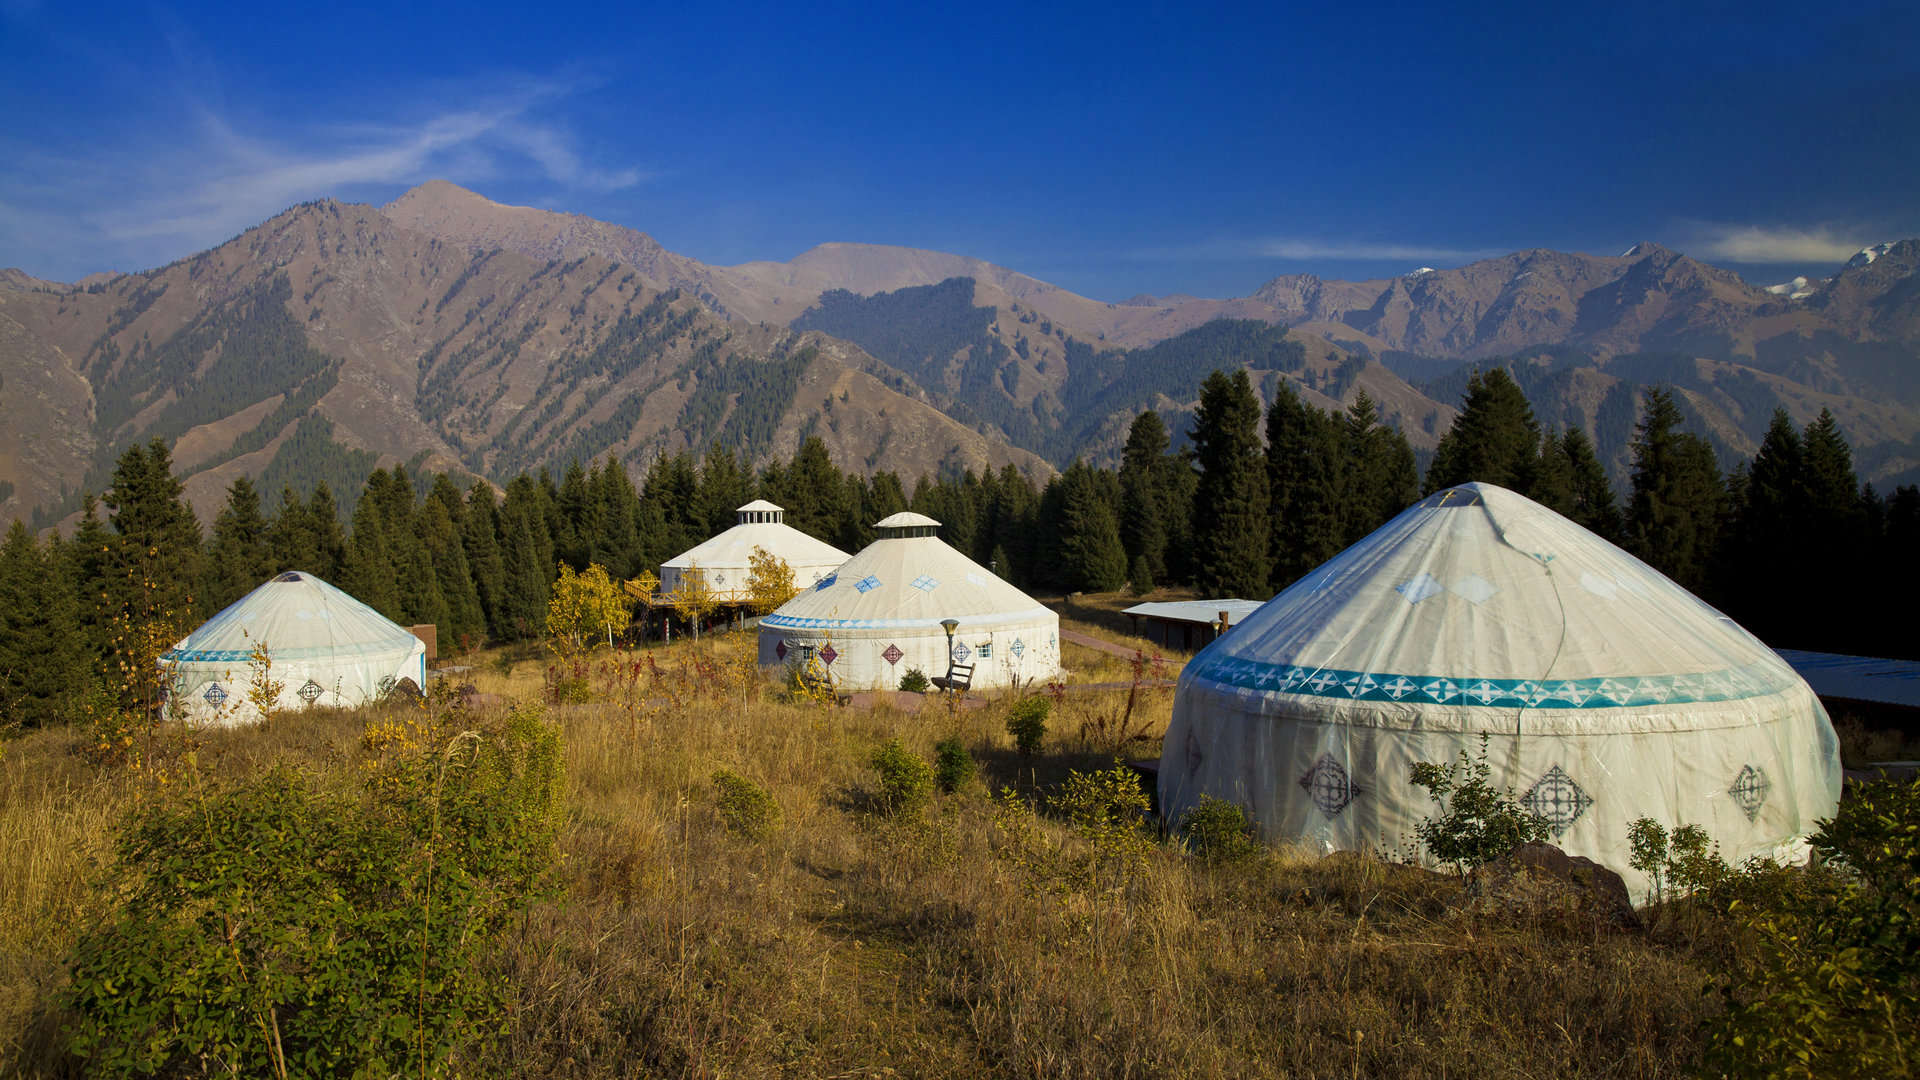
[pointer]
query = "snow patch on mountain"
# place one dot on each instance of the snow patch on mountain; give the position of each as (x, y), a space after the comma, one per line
(1867, 255)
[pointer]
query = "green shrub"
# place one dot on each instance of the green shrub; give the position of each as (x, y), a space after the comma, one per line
(1478, 822)
(276, 928)
(1027, 723)
(1831, 987)
(1218, 831)
(906, 780)
(746, 808)
(915, 681)
(953, 767)
(1108, 809)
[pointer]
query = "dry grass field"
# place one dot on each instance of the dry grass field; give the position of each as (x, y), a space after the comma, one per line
(973, 939)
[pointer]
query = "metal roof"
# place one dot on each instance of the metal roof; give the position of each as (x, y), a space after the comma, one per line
(1862, 678)
(1197, 611)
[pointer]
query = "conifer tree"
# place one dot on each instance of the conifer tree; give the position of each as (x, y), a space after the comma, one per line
(1091, 558)
(1592, 502)
(1381, 476)
(240, 556)
(480, 540)
(1306, 483)
(371, 574)
(725, 486)
(526, 551)
(460, 619)
(155, 557)
(329, 539)
(1673, 517)
(1495, 439)
(1144, 500)
(291, 542)
(577, 523)
(1230, 503)
(617, 547)
(42, 657)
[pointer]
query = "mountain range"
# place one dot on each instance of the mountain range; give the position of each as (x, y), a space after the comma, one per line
(447, 331)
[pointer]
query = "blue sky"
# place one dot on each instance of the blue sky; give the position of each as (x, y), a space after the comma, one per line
(1114, 150)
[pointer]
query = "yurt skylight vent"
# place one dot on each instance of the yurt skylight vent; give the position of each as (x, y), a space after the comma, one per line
(759, 512)
(290, 575)
(1463, 495)
(906, 524)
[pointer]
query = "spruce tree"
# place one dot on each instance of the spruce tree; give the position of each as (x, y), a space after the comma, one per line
(240, 555)
(1143, 496)
(371, 574)
(329, 539)
(1092, 558)
(1495, 439)
(1593, 505)
(480, 540)
(42, 657)
(156, 563)
(1307, 472)
(1230, 526)
(1381, 476)
(1673, 517)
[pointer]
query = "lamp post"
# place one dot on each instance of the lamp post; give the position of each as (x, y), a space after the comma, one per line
(950, 625)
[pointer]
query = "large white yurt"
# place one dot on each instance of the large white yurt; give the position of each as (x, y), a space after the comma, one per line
(326, 649)
(725, 560)
(1607, 693)
(881, 614)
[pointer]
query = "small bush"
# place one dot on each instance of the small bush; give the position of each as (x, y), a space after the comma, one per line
(1478, 822)
(906, 780)
(280, 926)
(915, 681)
(1830, 984)
(1218, 831)
(747, 809)
(1027, 723)
(1108, 810)
(953, 767)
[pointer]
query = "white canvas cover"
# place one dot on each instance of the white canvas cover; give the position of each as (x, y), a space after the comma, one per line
(725, 560)
(879, 615)
(1608, 693)
(326, 648)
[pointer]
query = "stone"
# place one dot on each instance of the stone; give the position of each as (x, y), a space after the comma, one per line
(1541, 878)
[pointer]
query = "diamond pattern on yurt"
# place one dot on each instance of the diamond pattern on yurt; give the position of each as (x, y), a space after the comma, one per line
(1419, 587)
(1019, 648)
(1328, 785)
(1749, 791)
(780, 649)
(215, 694)
(867, 584)
(892, 655)
(925, 583)
(1558, 799)
(961, 652)
(310, 692)
(828, 654)
(1474, 589)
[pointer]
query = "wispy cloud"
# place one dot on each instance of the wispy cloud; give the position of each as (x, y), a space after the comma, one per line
(140, 203)
(1305, 249)
(1773, 243)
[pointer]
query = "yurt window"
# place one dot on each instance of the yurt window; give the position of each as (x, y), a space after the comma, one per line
(985, 649)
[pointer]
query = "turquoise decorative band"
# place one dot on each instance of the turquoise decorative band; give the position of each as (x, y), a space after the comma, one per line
(1732, 684)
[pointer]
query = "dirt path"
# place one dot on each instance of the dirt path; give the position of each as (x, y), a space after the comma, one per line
(1100, 644)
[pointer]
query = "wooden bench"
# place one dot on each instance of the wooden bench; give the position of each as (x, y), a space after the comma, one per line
(957, 680)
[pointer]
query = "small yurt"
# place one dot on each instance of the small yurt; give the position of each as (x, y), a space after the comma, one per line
(1606, 692)
(882, 613)
(326, 649)
(725, 560)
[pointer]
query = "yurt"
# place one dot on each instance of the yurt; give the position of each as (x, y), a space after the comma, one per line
(1606, 693)
(882, 613)
(326, 648)
(725, 560)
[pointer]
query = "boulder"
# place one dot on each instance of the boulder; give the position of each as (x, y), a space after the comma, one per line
(1541, 879)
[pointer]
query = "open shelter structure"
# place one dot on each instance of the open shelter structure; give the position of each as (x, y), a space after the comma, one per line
(324, 648)
(886, 611)
(1604, 693)
(725, 561)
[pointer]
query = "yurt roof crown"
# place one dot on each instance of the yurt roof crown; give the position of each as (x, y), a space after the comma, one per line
(759, 511)
(906, 524)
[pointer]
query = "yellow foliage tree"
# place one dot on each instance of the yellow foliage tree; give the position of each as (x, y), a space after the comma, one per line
(769, 581)
(645, 590)
(694, 599)
(584, 606)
